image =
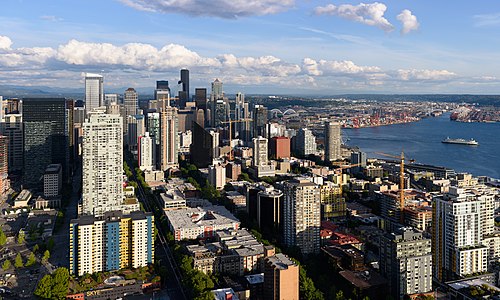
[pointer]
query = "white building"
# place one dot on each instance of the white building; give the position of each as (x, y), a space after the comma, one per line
(185, 140)
(260, 155)
(302, 215)
(94, 91)
(130, 102)
(458, 235)
(169, 144)
(52, 180)
(145, 153)
(332, 141)
(200, 222)
(102, 161)
(217, 176)
(305, 142)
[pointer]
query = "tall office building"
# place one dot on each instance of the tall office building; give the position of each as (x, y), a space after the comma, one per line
(305, 142)
(11, 125)
(200, 98)
(457, 235)
(4, 165)
(269, 210)
(332, 141)
(130, 99)
(358, 158)
(102, 161)
(281, 278)
(111, 99)
(202, 147)
(146, 152)
(111, 242)
(406, 261)
(161, 90)
(184, 93)
(259, 120)
(45, 137)
(136, 127)
(217, 90)
(260, 151)
(279, 147)
(301, 215)
(94, 91)
(169, 144)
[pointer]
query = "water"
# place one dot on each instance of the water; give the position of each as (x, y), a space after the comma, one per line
(422, 141)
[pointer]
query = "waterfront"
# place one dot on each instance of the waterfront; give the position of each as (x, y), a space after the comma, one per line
(422, 141)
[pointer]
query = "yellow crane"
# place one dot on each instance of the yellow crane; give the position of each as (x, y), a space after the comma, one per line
(401, 180)
(230, 122)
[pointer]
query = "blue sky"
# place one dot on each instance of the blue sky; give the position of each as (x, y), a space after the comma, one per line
(256, 46)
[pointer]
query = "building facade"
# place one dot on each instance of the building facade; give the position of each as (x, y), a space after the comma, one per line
(111, 242)
(146, 152)
(94, 91)
(332, 141)
(281, 278)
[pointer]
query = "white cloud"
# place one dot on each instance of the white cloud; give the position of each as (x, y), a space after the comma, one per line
(228, 9)
(370, 14)
(487, 20)
(409, 21)
(414, 74)
(332, 67)
(5, 42)
(51, 18)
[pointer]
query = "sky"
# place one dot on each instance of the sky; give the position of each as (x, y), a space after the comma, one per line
(255, 46)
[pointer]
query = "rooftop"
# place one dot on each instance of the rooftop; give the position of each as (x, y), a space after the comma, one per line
(200, 216)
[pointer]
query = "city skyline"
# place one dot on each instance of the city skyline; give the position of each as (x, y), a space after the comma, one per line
(270, 46)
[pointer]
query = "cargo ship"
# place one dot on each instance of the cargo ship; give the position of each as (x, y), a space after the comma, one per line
(470, 142)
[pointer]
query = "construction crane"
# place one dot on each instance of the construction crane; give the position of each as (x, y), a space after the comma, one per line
(401, 180)
(230, 122)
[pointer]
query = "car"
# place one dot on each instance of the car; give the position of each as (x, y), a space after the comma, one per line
(5, 291)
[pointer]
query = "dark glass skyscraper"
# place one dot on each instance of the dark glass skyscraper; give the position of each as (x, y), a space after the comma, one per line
(184, 94)
(45, 137)
(202, 147)
(200, 97)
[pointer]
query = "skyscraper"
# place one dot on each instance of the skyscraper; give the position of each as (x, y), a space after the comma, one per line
(45, 137)
(110, 99)
(145, 152)
(94, 91)
(332, 141)
(4, 165)
(130, 102)
(102, 161)
(260, 151)
(169, 145)
(457, 235)
(11, 125)
(217, 90)
(184, 94)
(162, 90)
(259, 120)
(305, 142)
(200, 97)
(406, 261)
(202, 147)
(301, 215)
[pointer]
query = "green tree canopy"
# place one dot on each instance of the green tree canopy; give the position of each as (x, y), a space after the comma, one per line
(3, 237)
(44, 287)
(21, 238)
(6, 265)
(18, 262)
(46, 256)
(31, 260)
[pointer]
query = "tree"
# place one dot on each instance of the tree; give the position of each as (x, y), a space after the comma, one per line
(18, 262)
(60, 280)
(6, 265)
(21, 238)
(44, 287)
(340, 296)
(36, 248)
(50, 244)
(46, 256)
(306, 287)
(3, 237)
(31, 260)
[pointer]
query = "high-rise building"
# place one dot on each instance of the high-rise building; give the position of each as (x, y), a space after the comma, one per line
(217, 176)
(259, 120)
(111, 242)
(162, 91)
(184, 93)
(260, 156)
(4, 165)
(130, 99)
(305, 142)
(457, 235)
(332, 203)
(281, 278)
(169, 144)
(200, 98)
(279, 147)
(102, 161)
(217, 90)
(111, 99)
(52, 181)
(11, 126)
(145, 152)
(301, 215)
(269, 210)
(136, 127)
(94, 91)
(153, 127)
(406, 261)
(202, 147)
(45, 137)
(332, 141)
(358, 158)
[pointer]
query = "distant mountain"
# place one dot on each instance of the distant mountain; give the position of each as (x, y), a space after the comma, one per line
(16, 91)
